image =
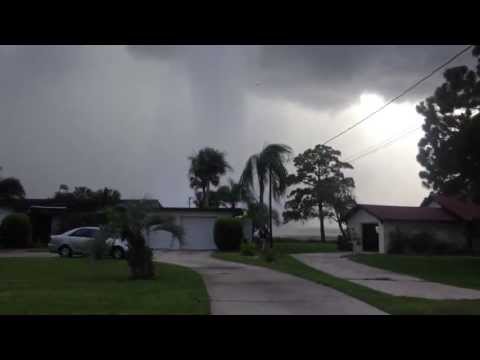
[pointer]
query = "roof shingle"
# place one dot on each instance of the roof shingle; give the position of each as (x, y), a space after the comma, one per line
(407, 213)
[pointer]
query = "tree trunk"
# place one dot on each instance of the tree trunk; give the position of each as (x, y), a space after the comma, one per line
(261, 188)
(344, 234)
(207, 197)
(270, 228)
(140, 258)
(321, 217)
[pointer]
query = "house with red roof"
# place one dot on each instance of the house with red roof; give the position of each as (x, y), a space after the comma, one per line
(448, 219)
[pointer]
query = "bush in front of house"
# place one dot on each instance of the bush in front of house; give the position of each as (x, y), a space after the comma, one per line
(16, 231)
(421, 243)
(344, 244)
(228, 234)
(398, 242)
(248, 248)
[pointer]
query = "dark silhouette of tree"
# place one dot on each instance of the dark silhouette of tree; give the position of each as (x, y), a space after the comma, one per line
(11, 188)
(450, 148)
(234, 193)
(206, 167)
(319, 181)
(268, 167)
(340, 202)
(101, 197)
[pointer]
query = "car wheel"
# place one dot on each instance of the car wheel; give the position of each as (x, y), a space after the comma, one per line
(65, 251)
(117, 253)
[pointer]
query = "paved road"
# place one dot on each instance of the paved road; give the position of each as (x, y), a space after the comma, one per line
(238, 289)
(337, 264)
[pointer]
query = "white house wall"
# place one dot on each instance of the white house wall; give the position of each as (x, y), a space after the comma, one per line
(362, 217)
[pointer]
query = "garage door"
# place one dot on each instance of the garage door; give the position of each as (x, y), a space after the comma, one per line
(198, 232)
(162, 240)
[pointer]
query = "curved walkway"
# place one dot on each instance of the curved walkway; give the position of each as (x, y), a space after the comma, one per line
(238, 289)
(337, 264)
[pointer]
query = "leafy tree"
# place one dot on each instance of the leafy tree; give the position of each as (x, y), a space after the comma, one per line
(318, 181)
(133, 222)
(102, 197)
(107, 196)
(268, 167)
(340, 203)
(11, 188)
(450, 148)
(206, 167)
(83, 193)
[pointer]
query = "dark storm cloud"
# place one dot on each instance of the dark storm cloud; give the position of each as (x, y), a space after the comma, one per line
(325, 77)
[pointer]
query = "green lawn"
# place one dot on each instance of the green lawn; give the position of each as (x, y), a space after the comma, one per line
(390, 304)
(77, 286)
(463, 271)
(292, 246)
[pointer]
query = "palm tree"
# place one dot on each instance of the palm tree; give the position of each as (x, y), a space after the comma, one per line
(206, 167)
(259, 214)
(233, 193)
(269, 167)
(133, 222)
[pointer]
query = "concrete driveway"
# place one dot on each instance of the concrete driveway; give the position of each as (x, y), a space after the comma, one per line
(238, 289)
(337, 264)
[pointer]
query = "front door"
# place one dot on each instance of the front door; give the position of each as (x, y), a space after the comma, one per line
(370, 237)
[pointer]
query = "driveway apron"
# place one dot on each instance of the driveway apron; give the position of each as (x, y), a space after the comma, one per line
(238, 289)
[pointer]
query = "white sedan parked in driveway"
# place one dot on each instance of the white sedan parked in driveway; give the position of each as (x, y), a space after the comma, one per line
(78, 241)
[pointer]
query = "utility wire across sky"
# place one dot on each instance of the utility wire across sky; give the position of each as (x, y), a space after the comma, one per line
(401, 94)
(372, 149)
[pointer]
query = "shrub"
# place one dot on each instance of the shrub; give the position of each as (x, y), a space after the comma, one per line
(268, 255)
(442, 248)
(422, 243)
(344, 244)
(399, 242)
(247, 249)
(16, 231)
(228, 234)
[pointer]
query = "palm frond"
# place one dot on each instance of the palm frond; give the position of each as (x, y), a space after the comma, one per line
(158, 222)
(248, 175)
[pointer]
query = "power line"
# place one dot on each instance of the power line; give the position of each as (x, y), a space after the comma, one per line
(384, 144)
(401, 94)
(367, 149)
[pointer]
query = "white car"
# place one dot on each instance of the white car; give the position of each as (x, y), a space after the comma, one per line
(78, 242)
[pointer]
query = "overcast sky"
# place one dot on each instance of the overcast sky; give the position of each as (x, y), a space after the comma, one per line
(128, 117)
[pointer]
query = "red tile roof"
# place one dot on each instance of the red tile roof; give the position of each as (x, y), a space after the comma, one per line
(465, 210)
(406, 213)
